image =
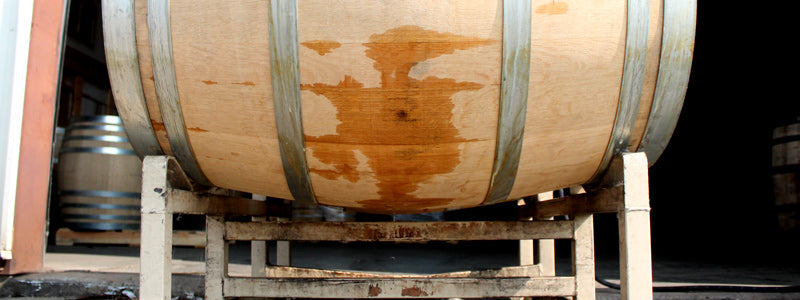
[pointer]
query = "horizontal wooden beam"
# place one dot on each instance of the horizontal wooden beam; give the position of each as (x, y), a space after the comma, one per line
(186, 202)
(67, 237)
(506, 272)
(397, 231)
(601, 201)
(398, 288)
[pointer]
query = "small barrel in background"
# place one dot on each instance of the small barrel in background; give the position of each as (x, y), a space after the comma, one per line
(58, 138)
(99, 176)
(785, 177)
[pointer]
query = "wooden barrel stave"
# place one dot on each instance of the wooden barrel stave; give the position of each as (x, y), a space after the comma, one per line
(443, 160)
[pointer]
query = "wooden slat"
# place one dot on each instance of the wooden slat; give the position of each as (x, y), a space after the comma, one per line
(216, 258)
(583, 257)
(155, 280)
(398, 288)
(636, 267)
(397, 231)
(601, 201)
(67, 237)
(507, 272)
(185, 202)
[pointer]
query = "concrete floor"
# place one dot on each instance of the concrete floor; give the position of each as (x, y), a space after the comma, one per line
(111, 272)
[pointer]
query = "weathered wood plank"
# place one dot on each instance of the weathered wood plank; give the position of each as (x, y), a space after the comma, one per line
(67, 237)
(398, 288)
(155, 278)
(186, 202)
(216, 258)
(546, 248)
(601, 201)
(398, 231)
(507, 272)
(636, 269)
(583, 257)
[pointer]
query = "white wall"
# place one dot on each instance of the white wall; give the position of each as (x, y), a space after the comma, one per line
(15, 31)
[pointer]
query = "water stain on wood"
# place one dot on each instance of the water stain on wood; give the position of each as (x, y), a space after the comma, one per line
(322, 47)
(403, 127)
(196, 129)
(209, 82)
(374, 291)
(413, 292)
(553, 8)
(158, 126)
(247, 83)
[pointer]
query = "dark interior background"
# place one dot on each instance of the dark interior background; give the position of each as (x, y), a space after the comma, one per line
(711, 190)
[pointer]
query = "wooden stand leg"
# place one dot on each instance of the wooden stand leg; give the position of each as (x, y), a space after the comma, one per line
(636, 275)
(216, 257)
(155, 276)
(546, 249)
(525, 246)
(583, 257)
(525, 252)
(258, 249)
(283, 251)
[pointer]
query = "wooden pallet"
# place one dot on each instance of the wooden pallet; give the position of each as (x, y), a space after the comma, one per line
(68, 237)
(623, 191)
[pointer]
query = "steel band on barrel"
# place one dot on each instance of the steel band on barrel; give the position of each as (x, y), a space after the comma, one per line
(98, 150)
(100, 193)
(103, 226)
(114, 120)
(114, 128)
(99, 206)
(632, 83)
(677, 44)
(100, 217)
(98, 138)
(513, 98)
(119, 34)
(158, 18)
(285, 68)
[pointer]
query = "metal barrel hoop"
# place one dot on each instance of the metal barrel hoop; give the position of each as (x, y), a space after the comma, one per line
(677, 44)
(158, 17)
(633, 74)
(119, 34)
(285, 74)
(513, 98)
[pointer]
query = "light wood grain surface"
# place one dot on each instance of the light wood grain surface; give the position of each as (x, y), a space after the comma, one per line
(399, 98)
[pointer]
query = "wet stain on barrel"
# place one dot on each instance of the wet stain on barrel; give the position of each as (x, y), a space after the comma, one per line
(403, 127)
(247, 83)
(322, 47)
(553, 8)
(209, 82)
(158, 126)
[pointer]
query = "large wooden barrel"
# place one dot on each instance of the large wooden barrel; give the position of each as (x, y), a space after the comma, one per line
(99, 176)
(398, 106)
(786, 175)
